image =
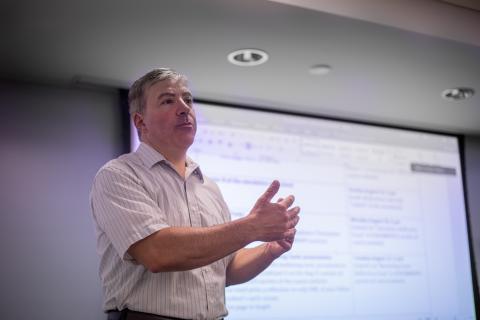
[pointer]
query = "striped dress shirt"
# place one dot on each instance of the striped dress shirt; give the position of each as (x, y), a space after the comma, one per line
(136, 195)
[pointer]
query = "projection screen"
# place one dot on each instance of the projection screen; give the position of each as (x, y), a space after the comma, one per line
(383, 229)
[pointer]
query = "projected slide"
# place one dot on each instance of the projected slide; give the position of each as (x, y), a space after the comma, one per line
(383, 229)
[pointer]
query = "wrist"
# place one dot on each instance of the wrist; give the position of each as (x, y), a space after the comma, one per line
(246, 229)
(270, 252)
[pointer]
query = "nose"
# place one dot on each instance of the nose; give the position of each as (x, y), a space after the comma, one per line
(183, 108)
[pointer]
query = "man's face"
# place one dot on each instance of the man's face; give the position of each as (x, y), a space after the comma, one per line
(168, 121)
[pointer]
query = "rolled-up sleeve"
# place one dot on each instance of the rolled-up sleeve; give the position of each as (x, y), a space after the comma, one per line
(123, 209)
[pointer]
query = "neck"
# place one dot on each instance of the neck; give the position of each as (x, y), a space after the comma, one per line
(176, 157)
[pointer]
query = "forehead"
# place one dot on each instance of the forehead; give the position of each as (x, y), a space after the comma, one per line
(178, 86)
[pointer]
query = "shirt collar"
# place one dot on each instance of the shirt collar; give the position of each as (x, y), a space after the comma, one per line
(151, 157)
(193, 168)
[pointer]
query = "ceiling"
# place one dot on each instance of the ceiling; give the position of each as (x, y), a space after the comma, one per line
(390, 59)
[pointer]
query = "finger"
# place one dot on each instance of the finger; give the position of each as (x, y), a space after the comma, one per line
(267, 196)
(293, 222)
(289, 241)
(293, 212)
(288, 201)
(285, 244)
(279, 200)
(289, 234)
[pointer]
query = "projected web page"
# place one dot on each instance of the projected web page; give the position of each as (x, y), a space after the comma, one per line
(383, 229)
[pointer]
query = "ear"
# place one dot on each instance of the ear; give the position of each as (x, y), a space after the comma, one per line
(138, 121)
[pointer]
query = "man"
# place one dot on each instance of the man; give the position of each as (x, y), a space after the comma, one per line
(166, 243)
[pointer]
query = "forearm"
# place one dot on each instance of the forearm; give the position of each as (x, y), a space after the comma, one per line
(185, 248)
(248, 263)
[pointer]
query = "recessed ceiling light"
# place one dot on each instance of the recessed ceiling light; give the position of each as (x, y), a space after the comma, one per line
(457, 94)
(320, 69)
(248, 57)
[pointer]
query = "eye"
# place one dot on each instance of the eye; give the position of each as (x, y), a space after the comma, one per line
(188, 100)
(167, 101)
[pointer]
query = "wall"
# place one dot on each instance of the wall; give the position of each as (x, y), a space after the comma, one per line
(472, 167)
(53, 141)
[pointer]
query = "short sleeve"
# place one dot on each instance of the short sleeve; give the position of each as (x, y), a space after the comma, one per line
(123, 209)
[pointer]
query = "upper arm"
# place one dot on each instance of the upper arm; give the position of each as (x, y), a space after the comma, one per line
(145, 251)
(124, 210)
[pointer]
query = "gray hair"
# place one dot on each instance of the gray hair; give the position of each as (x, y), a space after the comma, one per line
(136, 95)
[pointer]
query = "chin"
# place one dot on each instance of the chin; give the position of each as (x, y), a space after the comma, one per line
(187, 142)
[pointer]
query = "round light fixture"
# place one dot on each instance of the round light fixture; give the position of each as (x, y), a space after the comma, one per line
(457, 94)
(320, 69)
(248, 57)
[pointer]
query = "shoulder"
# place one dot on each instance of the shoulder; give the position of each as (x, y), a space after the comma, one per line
(123, 166)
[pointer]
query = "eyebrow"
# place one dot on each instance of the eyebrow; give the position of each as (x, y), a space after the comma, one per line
(165, 94)
(169, 94)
